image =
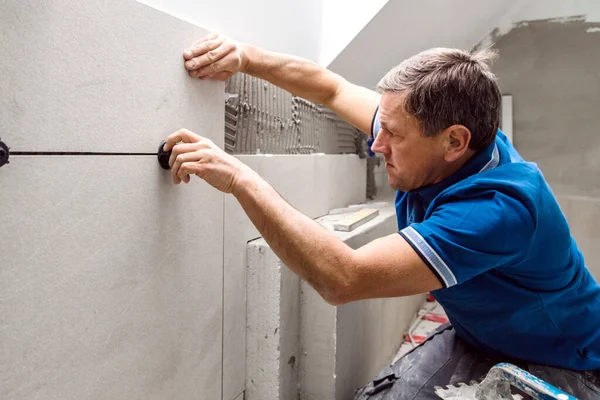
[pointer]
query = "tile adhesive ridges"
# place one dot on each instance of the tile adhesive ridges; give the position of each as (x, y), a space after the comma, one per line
(264, 119)
(261, 118)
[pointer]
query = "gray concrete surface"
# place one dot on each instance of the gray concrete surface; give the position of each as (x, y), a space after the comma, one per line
(111, 277)
(103, 77)
(336, 349)
(399, 31)
(551, 68)
(110, 281)
(310, 183)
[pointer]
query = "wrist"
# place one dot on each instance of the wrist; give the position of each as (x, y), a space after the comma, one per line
(252, 62)
(246, 181)
(246, 56)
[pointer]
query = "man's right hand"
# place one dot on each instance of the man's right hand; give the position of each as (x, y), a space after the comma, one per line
(215, 56)
(218, 57)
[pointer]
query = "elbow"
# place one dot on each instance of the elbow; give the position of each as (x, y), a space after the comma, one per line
(334, 298)
(340, 281)
(338, 292)
(333, 91)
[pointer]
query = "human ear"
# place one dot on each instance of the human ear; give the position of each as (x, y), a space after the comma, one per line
(457, 139)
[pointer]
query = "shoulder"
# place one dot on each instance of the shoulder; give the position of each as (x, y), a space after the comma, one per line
(513, 185)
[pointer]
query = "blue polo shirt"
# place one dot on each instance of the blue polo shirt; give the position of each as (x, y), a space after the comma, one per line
(514, 282)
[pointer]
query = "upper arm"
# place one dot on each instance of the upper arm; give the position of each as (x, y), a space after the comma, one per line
(459, 241)
(390, 267)
(355, 104)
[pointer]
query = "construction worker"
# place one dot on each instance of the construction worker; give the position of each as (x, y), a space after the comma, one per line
(478, 226)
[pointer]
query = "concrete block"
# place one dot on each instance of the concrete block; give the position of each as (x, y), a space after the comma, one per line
(367, 333)
(341, 348)
(111, 281)
(273, 326)
(99, 77)
(240, 396)
(310, 183)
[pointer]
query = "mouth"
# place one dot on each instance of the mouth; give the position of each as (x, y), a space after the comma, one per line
(388, 165)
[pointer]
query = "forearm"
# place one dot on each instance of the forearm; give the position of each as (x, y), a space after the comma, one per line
(315, 254)
(298, 76)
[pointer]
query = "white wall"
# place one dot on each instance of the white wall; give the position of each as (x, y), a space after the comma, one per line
(342, 21)
(315, 29)
(285, 26)
(402, 29)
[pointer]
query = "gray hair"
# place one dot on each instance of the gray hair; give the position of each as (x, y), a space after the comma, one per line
(444, 87)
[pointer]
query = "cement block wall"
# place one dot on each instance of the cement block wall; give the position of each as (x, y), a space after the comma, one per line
(313, 184)
(550, 67)
(301, 347)
(111, 277)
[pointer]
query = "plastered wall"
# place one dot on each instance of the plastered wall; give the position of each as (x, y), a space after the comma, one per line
(400, 30)
(110, 276)
(550, 67)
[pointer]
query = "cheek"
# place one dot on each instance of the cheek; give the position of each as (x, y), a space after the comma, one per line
(411, 160)
(403, 157)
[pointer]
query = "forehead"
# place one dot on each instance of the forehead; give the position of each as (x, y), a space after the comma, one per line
(392, 113)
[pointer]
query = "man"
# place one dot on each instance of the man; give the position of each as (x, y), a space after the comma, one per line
(478, 226)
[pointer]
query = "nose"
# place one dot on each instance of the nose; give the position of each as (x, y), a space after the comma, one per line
(380, 144)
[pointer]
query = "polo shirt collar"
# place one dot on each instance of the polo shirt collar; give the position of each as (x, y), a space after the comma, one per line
(484, 160)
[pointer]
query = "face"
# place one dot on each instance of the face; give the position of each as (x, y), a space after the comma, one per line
(411, 159)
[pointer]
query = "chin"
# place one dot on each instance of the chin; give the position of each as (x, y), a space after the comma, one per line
(397, 185)
(400, 185)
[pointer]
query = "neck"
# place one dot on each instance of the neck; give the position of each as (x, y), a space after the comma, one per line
(450, 168)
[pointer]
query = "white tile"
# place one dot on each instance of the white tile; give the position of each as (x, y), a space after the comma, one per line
(110, 281)
(99, 77)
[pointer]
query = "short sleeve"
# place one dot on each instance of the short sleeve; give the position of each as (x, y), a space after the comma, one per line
(462, 239)
(375, 124)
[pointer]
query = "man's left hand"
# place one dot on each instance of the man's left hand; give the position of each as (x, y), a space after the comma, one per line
(194, 155)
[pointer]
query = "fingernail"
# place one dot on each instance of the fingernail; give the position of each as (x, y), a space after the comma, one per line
(187, 53)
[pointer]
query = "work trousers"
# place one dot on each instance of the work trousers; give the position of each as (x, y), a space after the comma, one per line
(445, 359)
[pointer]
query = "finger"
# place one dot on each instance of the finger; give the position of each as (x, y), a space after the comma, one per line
(210, 57)
(186, 169)
(204, 47)
(182, 135)
(188, 54)
(182, 148)
(195, 156)
(215, 68)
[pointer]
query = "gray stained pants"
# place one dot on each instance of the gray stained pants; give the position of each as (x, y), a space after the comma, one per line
(445, 359)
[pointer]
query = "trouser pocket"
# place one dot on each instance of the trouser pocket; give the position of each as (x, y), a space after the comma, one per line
(416, 374)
